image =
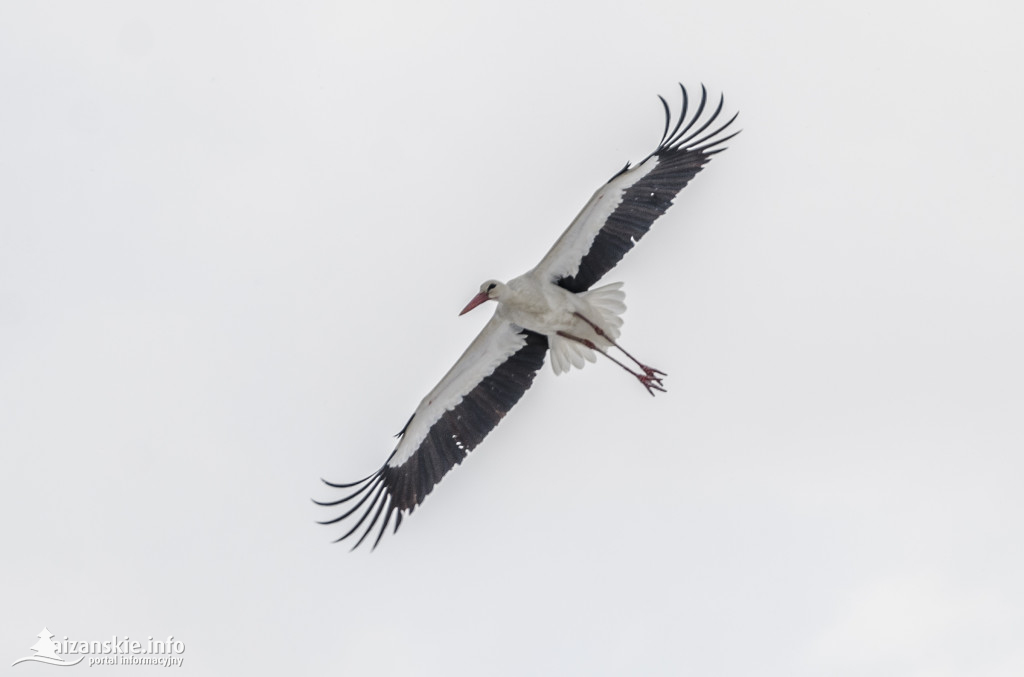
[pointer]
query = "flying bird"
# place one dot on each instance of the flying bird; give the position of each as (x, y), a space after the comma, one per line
(553, 306)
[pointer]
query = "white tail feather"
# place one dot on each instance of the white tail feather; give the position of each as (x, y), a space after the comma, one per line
(610, 302)
(606, 305)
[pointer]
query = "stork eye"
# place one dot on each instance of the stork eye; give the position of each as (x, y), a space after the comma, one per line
(491, 286)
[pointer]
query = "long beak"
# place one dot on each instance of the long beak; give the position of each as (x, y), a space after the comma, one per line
(477, 300)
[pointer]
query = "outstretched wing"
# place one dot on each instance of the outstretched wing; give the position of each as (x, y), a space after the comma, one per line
(624, 208)
(454, 417)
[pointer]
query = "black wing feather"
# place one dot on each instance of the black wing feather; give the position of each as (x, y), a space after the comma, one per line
(394, 491)
(680, 156)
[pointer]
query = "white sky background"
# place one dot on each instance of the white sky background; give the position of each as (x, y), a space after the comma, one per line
(233, 243)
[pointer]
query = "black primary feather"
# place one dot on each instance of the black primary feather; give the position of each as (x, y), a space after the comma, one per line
(680, 155)
(392, 491)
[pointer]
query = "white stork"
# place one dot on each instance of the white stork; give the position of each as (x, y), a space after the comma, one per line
(551, 307)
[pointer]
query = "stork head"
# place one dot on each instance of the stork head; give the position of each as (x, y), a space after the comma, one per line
(491, 290)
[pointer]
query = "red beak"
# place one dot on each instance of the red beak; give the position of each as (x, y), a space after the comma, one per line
(477, 300)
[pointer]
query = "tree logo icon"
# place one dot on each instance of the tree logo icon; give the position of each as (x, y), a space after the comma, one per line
(46, 651)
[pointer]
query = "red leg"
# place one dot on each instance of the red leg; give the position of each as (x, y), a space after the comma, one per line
(647, 379)
(649, 371)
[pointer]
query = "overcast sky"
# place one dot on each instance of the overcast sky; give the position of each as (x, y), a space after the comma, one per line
(234, 240)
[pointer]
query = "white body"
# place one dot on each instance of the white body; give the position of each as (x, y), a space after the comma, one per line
(531, 302)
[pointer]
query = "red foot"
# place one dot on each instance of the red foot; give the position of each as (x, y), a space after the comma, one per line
(650, 371)
(650, 381)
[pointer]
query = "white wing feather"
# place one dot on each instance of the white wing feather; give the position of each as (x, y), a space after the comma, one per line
(493, 345)
(563, 259)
